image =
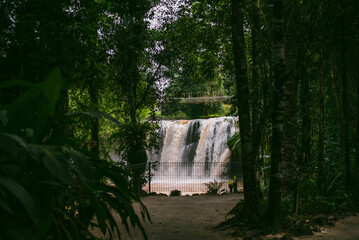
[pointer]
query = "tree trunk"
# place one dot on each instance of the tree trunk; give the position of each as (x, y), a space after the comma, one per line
(94, 145)
(357, 140)
(259, 121)
(290, 114)
(255, 68)
(306, 120)
(275, 188)
(240, 62)
(320, 161)
(136, 152)
(357, 119)
(344, 95)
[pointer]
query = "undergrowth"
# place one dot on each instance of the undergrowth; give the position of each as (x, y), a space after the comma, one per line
(214, 187)
(313, 212)
(175, 193)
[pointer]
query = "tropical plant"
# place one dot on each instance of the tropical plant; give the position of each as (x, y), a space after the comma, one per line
(51, 188)
(214, 187)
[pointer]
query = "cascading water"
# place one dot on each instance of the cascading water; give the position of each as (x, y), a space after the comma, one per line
(193, 150)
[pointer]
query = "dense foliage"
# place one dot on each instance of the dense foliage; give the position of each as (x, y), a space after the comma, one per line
(292, 66)
(57, 180)
(51, 188)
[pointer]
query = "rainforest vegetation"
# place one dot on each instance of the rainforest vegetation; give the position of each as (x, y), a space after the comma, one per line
(84, 80)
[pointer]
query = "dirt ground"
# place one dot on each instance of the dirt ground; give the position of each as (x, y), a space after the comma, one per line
(195, 218)
(185, 217)
(344, 229)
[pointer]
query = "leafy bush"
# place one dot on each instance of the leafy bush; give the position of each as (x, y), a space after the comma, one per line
(177, 110)
(175, 193)
(213, 187)
(50, 188)
(130, 144)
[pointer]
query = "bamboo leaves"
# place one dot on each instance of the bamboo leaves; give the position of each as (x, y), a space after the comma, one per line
(22, 195)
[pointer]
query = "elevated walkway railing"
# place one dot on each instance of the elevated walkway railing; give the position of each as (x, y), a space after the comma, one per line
(204, 94)
(203, 97)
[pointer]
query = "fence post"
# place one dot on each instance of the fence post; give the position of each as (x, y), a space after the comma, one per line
(149, 177)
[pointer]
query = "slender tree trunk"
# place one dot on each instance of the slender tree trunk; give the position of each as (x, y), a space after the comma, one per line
(131, 82)
(290, 127)
(136, 30)
(275, 188)
(320, 161)
(304, 134)
(290, 114)
(306, 120)
(240, 62)
(357, 139)
(344, 95)
(339, 104)
(258, 121)
(255, 68)
(357, 118)
(21, 25)
(136, 151)
(95, 123)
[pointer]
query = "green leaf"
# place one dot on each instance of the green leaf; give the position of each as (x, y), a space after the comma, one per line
(233, 141)
(29, 133)
(16, 83)
(24, 197)
(44, 224)
(4, 204)
(33, 108)
(55, 166)
(68, 234)
(51, 89)
(329, 188)
(16, 138)
(3, 116)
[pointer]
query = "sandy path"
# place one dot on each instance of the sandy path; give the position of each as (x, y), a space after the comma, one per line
(185, 217)
(344, 229)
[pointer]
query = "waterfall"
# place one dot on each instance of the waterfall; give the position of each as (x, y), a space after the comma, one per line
(193, 149)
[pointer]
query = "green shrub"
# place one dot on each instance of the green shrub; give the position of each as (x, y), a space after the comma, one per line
(178, 115)
(177, 110)
(175, 193)
(213, 187)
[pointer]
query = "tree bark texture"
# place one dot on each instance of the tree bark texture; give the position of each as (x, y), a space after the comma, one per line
(240, 62)
(275, 188)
